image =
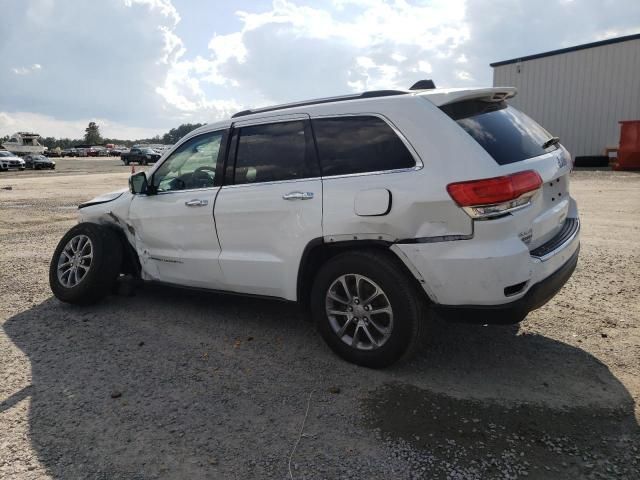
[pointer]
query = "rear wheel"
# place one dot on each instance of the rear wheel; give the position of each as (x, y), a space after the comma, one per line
(85, 264)
(367, 308)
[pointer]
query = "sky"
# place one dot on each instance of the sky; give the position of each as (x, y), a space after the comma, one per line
(141, 67)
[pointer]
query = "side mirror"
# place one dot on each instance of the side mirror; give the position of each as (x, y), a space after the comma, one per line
(138, 183)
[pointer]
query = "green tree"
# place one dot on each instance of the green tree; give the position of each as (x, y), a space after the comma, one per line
(92, 134)
(175, 134)
(48, 142)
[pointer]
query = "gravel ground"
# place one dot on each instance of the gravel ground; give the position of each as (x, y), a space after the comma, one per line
(174, 384)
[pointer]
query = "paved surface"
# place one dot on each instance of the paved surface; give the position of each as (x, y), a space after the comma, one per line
(173, 384)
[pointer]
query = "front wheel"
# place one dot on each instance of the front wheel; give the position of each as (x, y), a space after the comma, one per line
(85, 264)
(368, 309)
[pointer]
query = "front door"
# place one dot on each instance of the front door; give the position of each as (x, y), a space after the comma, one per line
(271, 206)
(175, 230)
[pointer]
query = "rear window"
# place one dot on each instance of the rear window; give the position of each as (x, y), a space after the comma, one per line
(507, 134)
(358, 144)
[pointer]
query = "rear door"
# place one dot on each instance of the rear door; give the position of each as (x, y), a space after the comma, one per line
(270, 207)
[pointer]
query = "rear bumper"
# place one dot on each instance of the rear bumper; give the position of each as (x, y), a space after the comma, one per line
(512, 312)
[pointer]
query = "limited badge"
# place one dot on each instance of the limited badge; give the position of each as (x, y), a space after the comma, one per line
(526, 236)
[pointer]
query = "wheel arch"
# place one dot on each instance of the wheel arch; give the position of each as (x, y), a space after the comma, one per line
(317, 252)
(130, 261)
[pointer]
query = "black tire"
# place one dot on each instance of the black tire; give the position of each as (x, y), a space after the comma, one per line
(103, 271)
(408, 305)
(144, 162)
(126, 162)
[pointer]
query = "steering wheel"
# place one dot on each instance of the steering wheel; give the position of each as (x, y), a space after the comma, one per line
(177, 184)
(205, 168)
(203, 176)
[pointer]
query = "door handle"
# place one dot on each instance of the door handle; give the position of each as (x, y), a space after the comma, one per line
(197, 203)
(298, 196)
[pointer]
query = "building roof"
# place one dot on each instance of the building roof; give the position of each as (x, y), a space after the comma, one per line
(584, 46)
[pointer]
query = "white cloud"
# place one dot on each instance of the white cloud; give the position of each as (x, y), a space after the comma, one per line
(424, 67)
(463, 75)
(295, 51)
(128, 62)
(26, 70)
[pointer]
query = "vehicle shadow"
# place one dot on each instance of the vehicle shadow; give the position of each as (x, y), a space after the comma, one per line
(175, 384)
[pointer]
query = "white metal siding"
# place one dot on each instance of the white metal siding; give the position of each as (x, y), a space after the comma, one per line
(580, 95)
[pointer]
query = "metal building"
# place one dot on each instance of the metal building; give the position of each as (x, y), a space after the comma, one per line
(578, 93)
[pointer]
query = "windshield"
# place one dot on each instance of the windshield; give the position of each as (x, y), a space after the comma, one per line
(507, 134)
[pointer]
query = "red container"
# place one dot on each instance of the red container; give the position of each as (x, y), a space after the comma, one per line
(629, 150)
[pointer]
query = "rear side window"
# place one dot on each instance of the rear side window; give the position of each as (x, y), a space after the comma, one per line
(507, 134)
(359, 144)
(274, 152)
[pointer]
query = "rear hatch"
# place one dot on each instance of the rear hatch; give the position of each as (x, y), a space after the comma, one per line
(517, 143)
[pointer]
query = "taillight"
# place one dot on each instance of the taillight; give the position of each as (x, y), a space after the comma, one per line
(491, 197)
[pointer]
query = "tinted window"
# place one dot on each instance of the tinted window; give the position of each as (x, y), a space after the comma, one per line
(191, 165)
(359, 144)
(506, 133)
(278, 151)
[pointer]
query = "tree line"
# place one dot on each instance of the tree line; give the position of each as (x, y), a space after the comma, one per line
(92, 136)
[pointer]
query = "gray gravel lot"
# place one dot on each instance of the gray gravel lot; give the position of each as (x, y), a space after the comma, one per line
(176, 384)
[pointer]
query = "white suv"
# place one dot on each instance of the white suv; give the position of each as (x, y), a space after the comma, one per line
(377, 210)
(10, 160)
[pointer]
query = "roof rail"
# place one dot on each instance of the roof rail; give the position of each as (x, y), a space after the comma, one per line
(318, 101)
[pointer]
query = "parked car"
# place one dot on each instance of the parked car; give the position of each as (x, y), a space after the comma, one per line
(53, 152)
(69, 152)
(143, 156)
(377, 211)
(9, 161)
(39, 162)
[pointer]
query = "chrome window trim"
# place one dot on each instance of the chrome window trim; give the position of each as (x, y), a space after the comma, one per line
(377, 172)
(276, 182)
(304, 116)
(184, 191)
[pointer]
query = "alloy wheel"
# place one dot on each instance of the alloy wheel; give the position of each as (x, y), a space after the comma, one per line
(75, 261)
(359, 311)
